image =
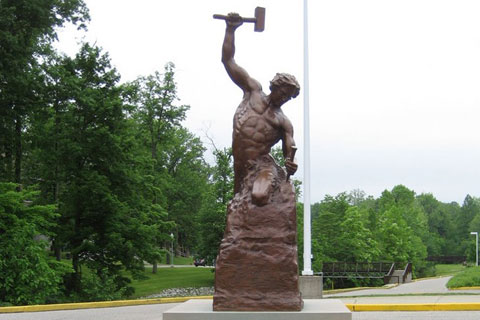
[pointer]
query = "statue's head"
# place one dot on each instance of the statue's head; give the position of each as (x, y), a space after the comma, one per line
(284, 87)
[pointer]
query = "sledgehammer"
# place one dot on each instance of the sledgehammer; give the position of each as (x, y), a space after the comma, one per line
(259, 19)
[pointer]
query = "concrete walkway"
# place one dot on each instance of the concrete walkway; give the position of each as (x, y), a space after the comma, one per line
(432, 293)
(434, 286)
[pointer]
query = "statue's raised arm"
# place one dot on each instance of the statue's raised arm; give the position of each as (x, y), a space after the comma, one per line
(238, 75)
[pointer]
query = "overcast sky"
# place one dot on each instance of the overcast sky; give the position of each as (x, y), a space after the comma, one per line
(394, 85)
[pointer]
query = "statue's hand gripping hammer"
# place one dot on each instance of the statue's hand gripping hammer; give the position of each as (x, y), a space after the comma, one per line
(259, 19)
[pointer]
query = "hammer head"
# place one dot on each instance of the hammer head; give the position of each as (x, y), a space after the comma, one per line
(259, 19)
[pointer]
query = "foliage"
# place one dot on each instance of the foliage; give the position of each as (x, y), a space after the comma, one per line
(398, 227)
(176, 172)
(27, 29)
(354, 228)
(212, 215)
(27, 275)
(468, 278)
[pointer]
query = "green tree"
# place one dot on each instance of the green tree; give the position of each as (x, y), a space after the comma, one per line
(27, 28)
(187, 184)
(212, 216)
(175, 155)
(104, 221)
(467, 219)
(356, 242)
(325, 228)
(440, 224)
(402, 228)
(27, 275)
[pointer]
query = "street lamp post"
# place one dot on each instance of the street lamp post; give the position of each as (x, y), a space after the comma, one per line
(476, 239)
(171, 260)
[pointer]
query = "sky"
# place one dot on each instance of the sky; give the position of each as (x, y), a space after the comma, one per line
(394, 85)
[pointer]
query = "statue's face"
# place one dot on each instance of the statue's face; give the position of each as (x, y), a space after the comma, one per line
(281, 94)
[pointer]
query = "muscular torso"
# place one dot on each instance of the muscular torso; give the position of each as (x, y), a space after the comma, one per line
(256, 127)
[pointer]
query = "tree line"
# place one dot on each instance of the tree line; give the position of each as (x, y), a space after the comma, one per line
(96, 176)
(399, 226)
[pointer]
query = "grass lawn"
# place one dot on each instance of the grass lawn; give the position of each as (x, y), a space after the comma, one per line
(166, 278)
(176, 260)
(470, 277)
(448, 269)
(182, 261)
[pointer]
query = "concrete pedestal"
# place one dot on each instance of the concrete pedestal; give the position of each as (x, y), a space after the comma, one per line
(313, 309)
(311, 287)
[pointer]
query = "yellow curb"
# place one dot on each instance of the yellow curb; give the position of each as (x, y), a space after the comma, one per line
(92, 305)
(475, 306)
(465, 288)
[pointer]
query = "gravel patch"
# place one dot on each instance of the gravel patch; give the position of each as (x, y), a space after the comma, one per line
(182, 292)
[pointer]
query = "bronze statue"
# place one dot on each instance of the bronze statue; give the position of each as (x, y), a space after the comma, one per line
(257, 265)
(259, 123)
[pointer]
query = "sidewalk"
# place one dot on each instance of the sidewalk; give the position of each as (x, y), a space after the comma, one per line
(423, 295)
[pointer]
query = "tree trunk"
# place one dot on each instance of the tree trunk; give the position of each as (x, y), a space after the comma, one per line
(155, 267)
(75, 284)
(8, 161)
(58, 253)
(18, 149)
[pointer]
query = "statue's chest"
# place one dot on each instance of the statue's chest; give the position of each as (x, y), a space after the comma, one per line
(248, 122)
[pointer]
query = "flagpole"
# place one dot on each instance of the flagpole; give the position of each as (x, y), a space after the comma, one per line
(307, 237)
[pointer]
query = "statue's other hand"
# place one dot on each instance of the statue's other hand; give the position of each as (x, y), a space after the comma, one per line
(234, 20)
(291, 167)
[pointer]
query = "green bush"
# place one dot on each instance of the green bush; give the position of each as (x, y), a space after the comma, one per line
(468, 278)
(27, 275)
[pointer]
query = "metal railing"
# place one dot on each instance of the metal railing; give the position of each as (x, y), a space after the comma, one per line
(408, 270)
(356, 269)
(366, 270)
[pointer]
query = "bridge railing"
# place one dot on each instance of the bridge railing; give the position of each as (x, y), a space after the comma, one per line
(356, 269)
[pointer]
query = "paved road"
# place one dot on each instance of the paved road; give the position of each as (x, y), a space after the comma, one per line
(154, 312)
(436, 286)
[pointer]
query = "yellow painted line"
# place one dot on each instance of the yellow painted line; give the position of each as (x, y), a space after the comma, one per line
(92, 305)
(465, 288)
(473, 306)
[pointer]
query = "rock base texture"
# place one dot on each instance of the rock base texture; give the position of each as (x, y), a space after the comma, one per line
(257, 265)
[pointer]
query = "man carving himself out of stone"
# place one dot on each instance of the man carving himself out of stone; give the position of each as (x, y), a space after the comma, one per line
(257, 263)
(259, 123)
